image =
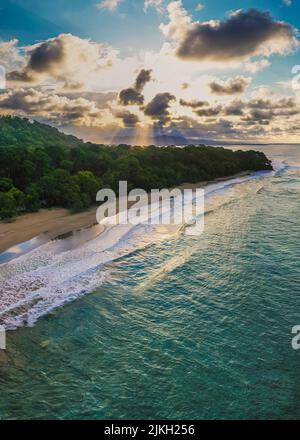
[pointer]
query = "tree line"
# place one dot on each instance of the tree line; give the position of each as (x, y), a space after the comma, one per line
(41, 167)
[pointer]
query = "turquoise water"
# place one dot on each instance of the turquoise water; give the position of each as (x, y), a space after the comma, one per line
(181, 327)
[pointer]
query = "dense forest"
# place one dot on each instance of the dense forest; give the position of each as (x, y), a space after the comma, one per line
(41, 167)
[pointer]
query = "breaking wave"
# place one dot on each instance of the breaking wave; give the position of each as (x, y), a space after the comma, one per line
(37, 282)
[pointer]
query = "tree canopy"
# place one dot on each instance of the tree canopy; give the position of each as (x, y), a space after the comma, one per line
(42, 167)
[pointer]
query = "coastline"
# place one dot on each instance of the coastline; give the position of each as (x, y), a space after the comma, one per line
(53, 222)
(59, 221)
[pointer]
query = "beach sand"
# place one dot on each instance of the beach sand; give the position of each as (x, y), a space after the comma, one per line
(57, 221)
(53, 222)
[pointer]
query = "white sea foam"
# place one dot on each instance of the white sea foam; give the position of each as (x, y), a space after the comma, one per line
(48, 277)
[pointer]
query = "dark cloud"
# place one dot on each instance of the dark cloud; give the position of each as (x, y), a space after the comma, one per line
(142, 79)
(193, 104)
(73, 86)
(243, 34)
(42, 59)
(233, 86)
(286, 112)
(253, 111)
(209, 112)
(58, 108)
(263, 114)
(22, 75)
(158, 108)
(129, 119)
(196, 129)
(287, 102)
(131, 96)
(65, 58)
(134, 95)
(47, 54)
(259, 115)
(235, 108)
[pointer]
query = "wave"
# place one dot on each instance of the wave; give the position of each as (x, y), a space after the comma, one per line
(48, 277)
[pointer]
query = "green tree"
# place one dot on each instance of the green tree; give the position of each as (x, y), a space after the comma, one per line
(8, 207)
(5, 184)
(19, 197)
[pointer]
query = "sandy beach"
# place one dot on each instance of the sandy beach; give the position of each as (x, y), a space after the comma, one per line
(56, 222)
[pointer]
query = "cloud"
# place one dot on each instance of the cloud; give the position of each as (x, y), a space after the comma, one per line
(158, 108)
(131, 96)
(65, 58)
(101, 99)
(278, 103)
(232, 86)
(179, 22)
(256, 66)
(134, 95)
(77, 83)
(53, 107)
(255, 118)
(234, 108)
(142, 79)
(287, 2)
(250, 112)
(193, 104)
(73, 86)
(209, 112)
(10, 55)
(111, 5)
(185, 86)
(220, 128)
(260, 116)
(48, 56)
(129, 119)
(157, 4)
(243, 34)
(21, 75)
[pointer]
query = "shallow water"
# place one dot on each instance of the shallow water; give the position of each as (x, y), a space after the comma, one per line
(167, 325)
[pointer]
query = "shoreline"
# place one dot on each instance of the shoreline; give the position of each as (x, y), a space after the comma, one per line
(57, 222)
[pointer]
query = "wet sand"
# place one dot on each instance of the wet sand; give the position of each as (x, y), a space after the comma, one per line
(53, 222)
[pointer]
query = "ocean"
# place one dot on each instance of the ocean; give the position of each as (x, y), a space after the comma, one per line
(149, 323)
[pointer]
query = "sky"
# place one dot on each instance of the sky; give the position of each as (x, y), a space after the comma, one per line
(154, 71)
